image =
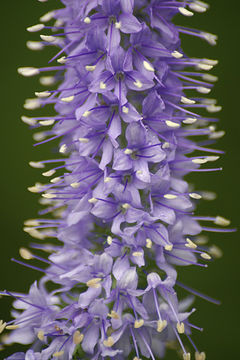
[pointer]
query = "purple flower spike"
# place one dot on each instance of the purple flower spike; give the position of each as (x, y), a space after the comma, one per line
(117, 200)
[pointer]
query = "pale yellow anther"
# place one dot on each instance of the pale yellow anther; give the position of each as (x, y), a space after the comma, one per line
(172, 124)
(93, 200)
(136, 358)
(47, 80)
(185, 12)
(42, 94)
(118, 25)
(189, 121)
(83, 140)
(68, 99)
(25, 254)
(34, 233)
(49, 173)
(107, 179)
(180, 328)
(40, 335)
(31, 222)
(49, 196)
(86, 113)
(166, 145)
(94, 283)
(148, 66)
(29, 121)
(63, 149)
(90, 67)
(185, 100)
(138, 323)
(34, 45)
(205, 256)
(102, 85)
(34, 189)
(128, 151)
(109, 240)
(195, 196)
(114, 315)
(125, 110)
(77, 337)
(200, 356)
(186, 356)
(12, 327)
(32, 104)
(55, 180)
(168, 247)
(35, 28)
(170, 196)
(125, 206)
(75, 185)
(46, 122)
(176, 54)
(215, 251)
(58, 353)
(47, 17)
(87, 20)
(62, 60)
(48, 38)
(149, 243)
(138, 84)
(161, 325)
(28, 71)
(190, 244)
(219, 220)
(203, 90)
(108, 342)
(199, 161)
(137, 253)
(2, 326)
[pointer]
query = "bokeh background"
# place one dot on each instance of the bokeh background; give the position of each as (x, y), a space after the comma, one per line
(220, 338)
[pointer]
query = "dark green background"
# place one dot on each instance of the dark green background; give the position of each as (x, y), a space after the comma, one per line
(220, 338)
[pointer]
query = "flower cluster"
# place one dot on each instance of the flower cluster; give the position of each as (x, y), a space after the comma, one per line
(121, 210)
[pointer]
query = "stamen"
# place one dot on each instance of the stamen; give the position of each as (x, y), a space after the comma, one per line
(25, 254)
(109, 342)
(185, 12)
(58, 353)
(200, 356)
(219, 220)
(77, 337)
(34, 45)
(94, 283)
(36, 28)
(172, 124)
(28, 71)
(205, 256)
(138, 84)
(180, 327)
(90, 68)
(148, 66)
(68, 99)
(138, 323)
(161, 325)
(190, 244)
(187, 356)
(40, 335)
(48, 38)
(149, 243)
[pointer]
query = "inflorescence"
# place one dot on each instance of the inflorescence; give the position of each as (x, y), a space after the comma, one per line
(122, 213)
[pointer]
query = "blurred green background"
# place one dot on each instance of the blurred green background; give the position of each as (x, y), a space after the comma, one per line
(221, 280)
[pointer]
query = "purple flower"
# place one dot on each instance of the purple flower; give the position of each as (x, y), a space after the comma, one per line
(123, 215)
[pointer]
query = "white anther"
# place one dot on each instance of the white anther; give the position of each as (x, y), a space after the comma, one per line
(75, 185)
(128, 151)
(195, 196)
(114, 315)
(42, 94)
(2, 326)
(36, 28)
(125, 110)
(94, 283)
(138, 84)
(199, 161)
(210, 62)
(62, 60)
(180, 328)
(58, 353)
(109, 240)
(210, 38)
(138, 323)
(209, 195)
(200, 356)
(48, 38)
(34, 233)
(170, 196)
(90, 68)
(47, 80)
(39, 136)
(217, 134)
(47, 17)
(176, 54)
(202, 66)
(34, 45)
(186, 356)
(209, 77)
(28, 120)
(137, 253)
(109, 342)
(215, 251)
(148, 66)
(172, 124)
(83, 140)
(185, 100)
(161, 325)
(25, 254)
(93, 200)
(31, 222)
(168, 247)
(28, 71)
(107, 179)
(213, 108)
(185, 12)
(118, 25)
(32, 104)
(63, 149)
(139, 172)
(125, 206)
(189, 121)
(203, 90)
(87, 20)
(68, 99)
(148, 243)
(190, 244)
(49, 196)
(219, 220)
(197, 7)
(205, 256)
(166, 145)
(77, 337)
(136, 358)
(55, 180)
(36, 164)
(102, 85)
(86, 113)
(40, 335)
(34, 189)
(212, 158)
(46, 122)
(11, 327)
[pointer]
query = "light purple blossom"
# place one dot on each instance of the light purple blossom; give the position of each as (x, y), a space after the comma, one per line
(123, 213)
